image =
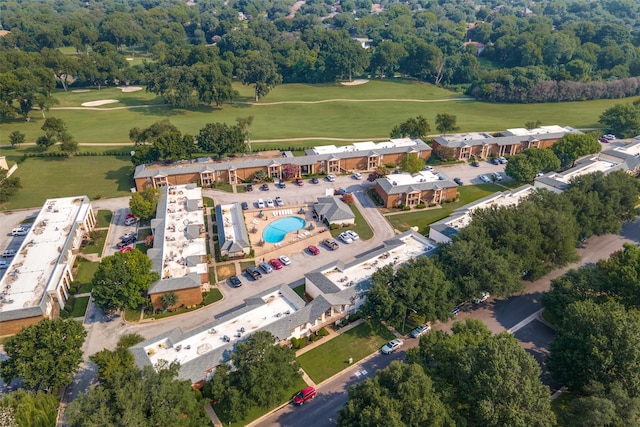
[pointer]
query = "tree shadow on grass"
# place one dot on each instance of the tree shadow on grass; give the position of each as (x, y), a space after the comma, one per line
(122, 177)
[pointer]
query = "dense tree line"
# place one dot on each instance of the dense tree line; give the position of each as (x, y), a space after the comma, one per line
(596, 353)
(559, 52)
(502, 246)
(468, 377)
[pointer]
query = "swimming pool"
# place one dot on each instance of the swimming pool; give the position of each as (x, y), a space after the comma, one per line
(277, 230)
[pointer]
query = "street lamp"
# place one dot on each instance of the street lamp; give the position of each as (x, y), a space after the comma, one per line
(405, 317)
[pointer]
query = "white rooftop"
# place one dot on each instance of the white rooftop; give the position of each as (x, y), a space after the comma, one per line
(407, 178)
(275, 308)
(177, 245)
(36, 267)
(537, 131)
(470, 136)
(232, 229)
(632, 149)
(356, 273)
(364, 146)
(463, 217)
(595, 164)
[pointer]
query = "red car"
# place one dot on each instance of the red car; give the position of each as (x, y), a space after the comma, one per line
(299, 182)
(130, 215)
(313, 250)
(304, 395)
(276, 264)
(126, 249)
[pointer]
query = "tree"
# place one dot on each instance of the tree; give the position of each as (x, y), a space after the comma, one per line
(412, 163)
(622, 119)
(597, 343)
(387, 57)
(221, 139)
(169, 299)
(27, 408)
(602, 407)
(174, 146)
(142, 398)
(401, 394)
(525, 166)
(445, 153)
(533, 124)
(446, 123)
(259, 70)
(55, 130)
(153, 132)
(572, 146)
(414, 127)
(121, 279)
(244, 123)
(9, 185)
(486, 380)
(45, 355)
(68, 145)
(16, 137)
(143, 204)
(117, 361)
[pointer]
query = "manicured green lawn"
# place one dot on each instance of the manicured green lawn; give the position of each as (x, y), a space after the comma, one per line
(256, 412)
(213, 296)
(208, 201)
(132, 315)
(333, 356)
(96, 245)
(86, 270)
(422, 218)
(360, 120)
(300, 290)
(80, 307)
(245, 264)
(104, 218)
(45, 178)
(142, 247)
(361, 227)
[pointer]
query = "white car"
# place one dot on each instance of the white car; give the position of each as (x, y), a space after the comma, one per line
(345, 238)
(352, 234)
(260, 203)
(8, 253)
(497, 176)
(270, 203)
(391, 346)
(331, 178)
(20, 231)
(279, 201)
(4, 264)
(485, 178)
(427, 168)
(284, 260)
(357, 176)
(485, 296)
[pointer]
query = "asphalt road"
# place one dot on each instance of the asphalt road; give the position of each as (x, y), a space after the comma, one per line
(516, 314)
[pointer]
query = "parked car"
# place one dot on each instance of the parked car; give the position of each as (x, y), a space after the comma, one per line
(313, 250)
(345, 238)
(475, 164)
(427, 168)
(279, 201)
(253, 272)
(455, 311)
(485, 178)
(495, 161)
(20, 231)
(249, 187)
(264, 187)
(282, 184)
(503, 160)
(124, 242)
(130, 221)
(304, 395)
(284, 260)
(609, 137)
(420, 330)
(314, 180)
(331, 178)
(130, 215)
(331, 244)
(457, 181)
(341, 192)
(235, 281)
(603, 140)
(300, 182)
(483, 297)
(276, 264)
(265, 267)
(496, 176)
(128, 235)
(244, 206)
(352, 234)
(270, 203)
(126, 249)
(3, 265)
(260, 203)
(391, 346)
(8, 253)
(357, 175)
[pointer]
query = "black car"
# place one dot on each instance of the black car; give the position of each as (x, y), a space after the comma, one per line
(457, 181)
(235, 281)
(249, 187)
(125, 241)
(282, 184)
(264, 187)
(253, 272)
(314, 180)
(244, 206)
(475, 164)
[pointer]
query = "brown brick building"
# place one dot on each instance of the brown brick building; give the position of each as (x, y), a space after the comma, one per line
(405, 189)
(329, 159)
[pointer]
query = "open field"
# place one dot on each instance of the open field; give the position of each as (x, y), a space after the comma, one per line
(339, 119)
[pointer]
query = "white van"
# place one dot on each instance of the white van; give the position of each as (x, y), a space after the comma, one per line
(260, 203)
(21, 231)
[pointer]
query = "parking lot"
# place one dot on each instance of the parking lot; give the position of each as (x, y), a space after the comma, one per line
(469, 174)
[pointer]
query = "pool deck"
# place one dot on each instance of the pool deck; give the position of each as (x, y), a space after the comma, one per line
(293, 242)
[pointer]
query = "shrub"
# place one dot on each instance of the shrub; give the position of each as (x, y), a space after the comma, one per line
(432, 205)
(334, 226)
(406, 208)
(323, 332)
(390, 165)
(421, 206)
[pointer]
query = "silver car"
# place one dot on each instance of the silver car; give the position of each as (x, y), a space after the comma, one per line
(420, 330)
(391, 346)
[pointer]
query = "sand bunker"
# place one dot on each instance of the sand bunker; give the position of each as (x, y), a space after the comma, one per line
(355, 82)
(98, 103)
(129, 88)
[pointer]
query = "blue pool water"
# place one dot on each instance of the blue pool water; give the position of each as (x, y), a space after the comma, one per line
(277, 230)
